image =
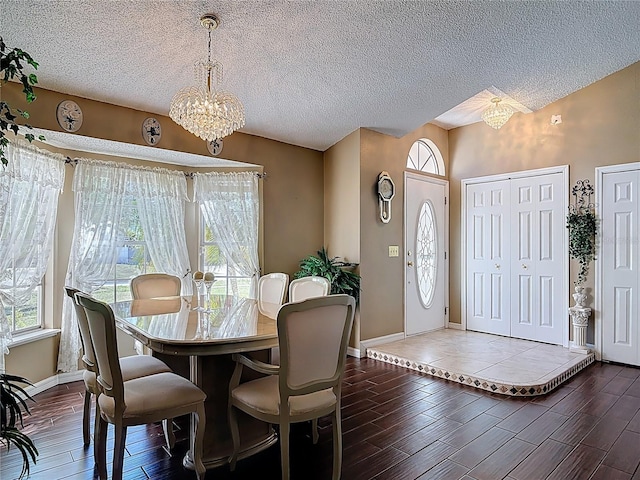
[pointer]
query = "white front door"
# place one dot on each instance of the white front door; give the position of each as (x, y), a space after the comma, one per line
(538, 258)
(620, 282)
(488, 257)
(426, 263)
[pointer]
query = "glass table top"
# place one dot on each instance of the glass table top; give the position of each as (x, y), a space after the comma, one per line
(175, 320)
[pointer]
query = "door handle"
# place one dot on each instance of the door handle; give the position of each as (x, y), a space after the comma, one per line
(498, 266)
(524, 267)
(410, 264)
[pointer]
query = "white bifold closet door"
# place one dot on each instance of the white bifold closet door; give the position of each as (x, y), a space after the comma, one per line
(516, 257)
(620, 281)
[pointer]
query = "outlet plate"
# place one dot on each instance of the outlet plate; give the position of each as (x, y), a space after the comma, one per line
(394, 250)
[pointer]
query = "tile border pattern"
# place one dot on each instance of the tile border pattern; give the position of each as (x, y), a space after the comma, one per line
(514, 390)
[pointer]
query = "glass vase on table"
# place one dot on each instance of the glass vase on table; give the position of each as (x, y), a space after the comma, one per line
(209, 278)
(198, 280)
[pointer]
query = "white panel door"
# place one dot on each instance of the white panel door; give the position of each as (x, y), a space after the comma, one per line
(426, 265)
(620, 249)
(488, 257)
(538, 235)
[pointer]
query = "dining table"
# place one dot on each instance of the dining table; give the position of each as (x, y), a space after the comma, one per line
(197, 342)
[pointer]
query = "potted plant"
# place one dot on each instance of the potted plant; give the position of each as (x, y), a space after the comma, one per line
(342, 279)
(581, 222)
(12, 67)
(12, 401)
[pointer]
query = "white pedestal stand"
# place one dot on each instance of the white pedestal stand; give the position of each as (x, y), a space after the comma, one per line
(580, 319)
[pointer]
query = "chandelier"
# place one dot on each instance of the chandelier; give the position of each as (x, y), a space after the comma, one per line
(497, 115)
(206, 110)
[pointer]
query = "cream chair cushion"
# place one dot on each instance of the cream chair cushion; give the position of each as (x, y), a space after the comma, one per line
(263, 395)
(153, 395)
(308, 287)
(150, 285)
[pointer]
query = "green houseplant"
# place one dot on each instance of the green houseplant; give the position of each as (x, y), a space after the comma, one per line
(12, 67)
(581, 222)
(13, 399)
(342, 279)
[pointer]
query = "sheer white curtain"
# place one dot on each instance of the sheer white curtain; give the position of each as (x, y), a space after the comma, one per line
(100, 192)
(230, 204)
(160, 196)
(29, 189)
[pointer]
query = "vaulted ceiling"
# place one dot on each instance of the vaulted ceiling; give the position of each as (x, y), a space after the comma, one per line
(311, 72)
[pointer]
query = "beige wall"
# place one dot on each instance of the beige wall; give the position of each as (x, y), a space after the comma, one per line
(382, 296)
(600, 126)
(35, 364)
(342, 207)
(293, 205)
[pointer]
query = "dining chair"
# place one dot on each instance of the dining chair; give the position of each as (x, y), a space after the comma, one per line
(308, 287)
(149, 285)
(136, 401)
(272, 290)
(132, 367)
(313, 337)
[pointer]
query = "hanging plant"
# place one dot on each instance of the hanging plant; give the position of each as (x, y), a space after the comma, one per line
(581, 222)
(12, 67)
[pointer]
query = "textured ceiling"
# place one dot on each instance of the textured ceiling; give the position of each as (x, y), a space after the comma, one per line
(311, 72)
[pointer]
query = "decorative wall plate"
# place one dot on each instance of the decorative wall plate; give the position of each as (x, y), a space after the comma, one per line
(151, 131)
(215, 147)
(69, 115)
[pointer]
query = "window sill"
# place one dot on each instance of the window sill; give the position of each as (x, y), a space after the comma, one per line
(33, 336)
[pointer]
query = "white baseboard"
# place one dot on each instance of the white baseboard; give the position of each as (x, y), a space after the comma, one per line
(59, 379)
(372, 342)
(354, 352)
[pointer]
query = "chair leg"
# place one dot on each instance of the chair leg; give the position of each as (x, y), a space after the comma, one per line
(235, 436)
(169, 436)
(86, 417)
(314, 430)
(336, 421)
(196, 448)
(100, 448)
(118, 451)
(284, 450)
(96, 432)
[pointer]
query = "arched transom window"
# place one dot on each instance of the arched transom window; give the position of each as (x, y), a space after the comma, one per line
(425, 157)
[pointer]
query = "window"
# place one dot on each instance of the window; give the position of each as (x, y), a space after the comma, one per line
(229, 209)
(29, 189)
(228, 281)
(425, 157)
(426, 254)
(133, 257)
(27, 316)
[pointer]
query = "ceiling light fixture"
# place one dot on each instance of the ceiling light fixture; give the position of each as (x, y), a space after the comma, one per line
(205, 110)
(497, 115)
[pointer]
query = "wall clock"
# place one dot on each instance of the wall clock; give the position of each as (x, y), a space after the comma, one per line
(386, 191)
(69, 115)
(151, 131)
(215, 147)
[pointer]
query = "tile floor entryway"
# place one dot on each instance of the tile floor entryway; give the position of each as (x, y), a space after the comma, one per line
(509, 366)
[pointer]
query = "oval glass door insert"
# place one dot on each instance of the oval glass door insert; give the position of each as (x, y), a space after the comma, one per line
(426, 253)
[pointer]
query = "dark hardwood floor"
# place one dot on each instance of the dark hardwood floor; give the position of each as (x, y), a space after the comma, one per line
(397, 424)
